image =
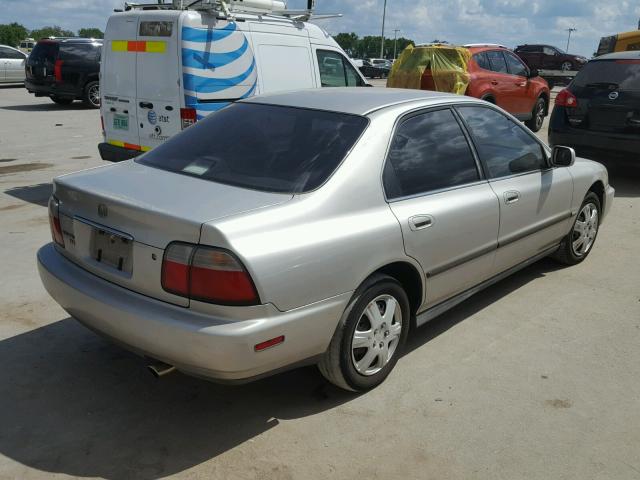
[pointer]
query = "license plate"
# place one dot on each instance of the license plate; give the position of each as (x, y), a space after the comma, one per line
(120, 122)
(112, 250)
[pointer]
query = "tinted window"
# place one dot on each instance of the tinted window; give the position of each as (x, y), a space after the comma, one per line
(504, 146)
(619, 74)
(262, 147)
(10, 53)
(497, 61)
(336, 71)
(482, 60)
(78, 52)
(428, 152)
(516, 67)
(44, 52)
(529, 49)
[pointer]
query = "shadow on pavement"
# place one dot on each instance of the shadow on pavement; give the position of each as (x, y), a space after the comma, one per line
(72, 403)
(7, 86)
(38, 194)
(45, 107)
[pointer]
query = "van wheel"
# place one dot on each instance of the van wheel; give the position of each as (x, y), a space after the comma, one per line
(62, 100)
(370, 336)
(91, 95)
(537, 115)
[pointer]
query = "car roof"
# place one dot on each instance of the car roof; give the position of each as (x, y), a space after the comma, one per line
(71, 40)
(630, 55)
(355, 101)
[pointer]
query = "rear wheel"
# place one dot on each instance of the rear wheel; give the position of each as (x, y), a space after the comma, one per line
(579, 242)
(537, 115)
(91, 95)
(370, 336)
(61, 100)
(566, 66)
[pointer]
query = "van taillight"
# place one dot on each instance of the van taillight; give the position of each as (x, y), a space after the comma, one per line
(54, 221)
(566, 99)
(188, 117)
(57, 71)
(207, 274)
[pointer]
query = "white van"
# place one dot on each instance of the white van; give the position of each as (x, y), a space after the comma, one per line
(163, 69)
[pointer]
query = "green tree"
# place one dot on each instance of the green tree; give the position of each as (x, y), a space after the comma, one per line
(348, 42)
(54, 31)
(11, 34)
(90, 33)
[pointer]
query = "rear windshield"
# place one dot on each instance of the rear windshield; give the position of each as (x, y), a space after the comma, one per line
(45, 51)
(612, 74)
(261, 147)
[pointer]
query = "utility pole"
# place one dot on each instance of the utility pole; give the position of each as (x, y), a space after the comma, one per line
(395, 41)
(569, 39)
(384, 14)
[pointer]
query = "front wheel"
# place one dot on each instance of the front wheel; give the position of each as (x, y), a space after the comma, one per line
(579, 241)
(91, 96)
(370, 336)
(537, 115)
(566, 66)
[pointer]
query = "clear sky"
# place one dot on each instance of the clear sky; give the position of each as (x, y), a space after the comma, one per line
(509, 22)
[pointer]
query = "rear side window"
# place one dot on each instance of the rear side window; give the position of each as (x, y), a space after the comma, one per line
(261, 147)
(610, 74)
(497, 61)
(516, 67)
(428, 152)
(503, 145)
(45, 52)
(336, 71)
(482, 60)
(78, 52)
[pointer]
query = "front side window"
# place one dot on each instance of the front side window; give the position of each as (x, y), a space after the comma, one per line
(428, 152)
(336, 71)
(261, 147)
(497, 61)
(516, 67)
(10, 53)
(503, 145)
(482, 60)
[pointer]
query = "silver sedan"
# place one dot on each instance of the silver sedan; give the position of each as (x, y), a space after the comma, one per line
(313, 227)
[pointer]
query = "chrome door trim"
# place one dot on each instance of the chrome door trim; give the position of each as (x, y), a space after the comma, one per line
(514, 237)
(461, 260)
(439, 309)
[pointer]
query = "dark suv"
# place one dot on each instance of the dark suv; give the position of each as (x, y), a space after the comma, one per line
(547, 57)
(65, 69)
(600, 109)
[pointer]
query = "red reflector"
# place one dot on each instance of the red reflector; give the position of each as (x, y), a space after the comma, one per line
(57, 70)
(54, 221)
(188, 116)
(566, 99)
(136, 46)
(269, 343)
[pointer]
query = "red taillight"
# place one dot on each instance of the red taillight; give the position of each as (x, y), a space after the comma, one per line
(54, 221)
(566, 99)
(207, 274)
(188, 117)
(57, 70)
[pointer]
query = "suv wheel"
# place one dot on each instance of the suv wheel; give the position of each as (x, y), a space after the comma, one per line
(579, 242)
(91, 96)
(370, 336)
(537, 115)
(62, 100)
(566, 66)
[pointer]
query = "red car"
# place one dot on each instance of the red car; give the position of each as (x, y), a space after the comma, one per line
(499, 76)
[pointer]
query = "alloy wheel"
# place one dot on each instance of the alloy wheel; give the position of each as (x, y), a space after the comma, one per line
(539, 114)
(566, 66)
(585, 230)
(376, 335)
(94, 95)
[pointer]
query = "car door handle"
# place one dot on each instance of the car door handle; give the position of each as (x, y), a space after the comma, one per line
(419, 222)
(511, 197)
(494, 82)
(521, 84)
(146, 105)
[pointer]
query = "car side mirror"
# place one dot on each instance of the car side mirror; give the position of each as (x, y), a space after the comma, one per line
(533, 73)
(563, 156)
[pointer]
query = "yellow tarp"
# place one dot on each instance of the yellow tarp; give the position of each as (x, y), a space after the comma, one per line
(448, 66)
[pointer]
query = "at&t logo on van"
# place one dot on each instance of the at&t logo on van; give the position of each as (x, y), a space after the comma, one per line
(152, 117)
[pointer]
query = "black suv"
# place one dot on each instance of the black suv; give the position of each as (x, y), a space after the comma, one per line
(547, 57)
(600, 109)
(65, 69)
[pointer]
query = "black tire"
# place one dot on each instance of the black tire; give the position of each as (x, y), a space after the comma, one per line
(62, 100)
(91, 95)
(566, 254)
(337, 365)
(490, 100)
(537, 115)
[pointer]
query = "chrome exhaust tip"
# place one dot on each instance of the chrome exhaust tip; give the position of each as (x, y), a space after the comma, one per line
(160, 369)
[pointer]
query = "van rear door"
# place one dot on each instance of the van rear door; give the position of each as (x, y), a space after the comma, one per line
(158, 78)
(118, 81)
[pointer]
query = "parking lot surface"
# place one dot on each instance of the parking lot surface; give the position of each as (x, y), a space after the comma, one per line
(534, 378)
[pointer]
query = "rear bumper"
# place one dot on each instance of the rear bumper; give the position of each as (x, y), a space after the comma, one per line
(196, 343)
(112, 153)
(49, 89)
